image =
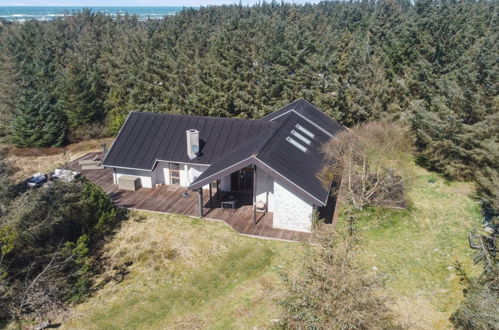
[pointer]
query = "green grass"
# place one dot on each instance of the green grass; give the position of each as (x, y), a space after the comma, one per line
(415, 250)
(191, 273)
(216, 280)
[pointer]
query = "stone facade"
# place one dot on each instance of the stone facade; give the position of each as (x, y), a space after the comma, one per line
(290, 211)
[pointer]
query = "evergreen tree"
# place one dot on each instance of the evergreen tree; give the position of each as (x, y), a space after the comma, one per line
(37, 122)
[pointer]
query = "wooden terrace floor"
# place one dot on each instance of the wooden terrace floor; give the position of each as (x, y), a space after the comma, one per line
(169, 199)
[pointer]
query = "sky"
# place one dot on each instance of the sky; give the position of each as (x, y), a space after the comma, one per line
(132, 3)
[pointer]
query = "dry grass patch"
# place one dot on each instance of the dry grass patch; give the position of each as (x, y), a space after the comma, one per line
(185, 273)
(28, 161)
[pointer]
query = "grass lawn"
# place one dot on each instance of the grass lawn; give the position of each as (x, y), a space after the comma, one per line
(191, 273)
(415, 250)
(186, 273)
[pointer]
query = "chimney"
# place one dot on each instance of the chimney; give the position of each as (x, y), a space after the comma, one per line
(192, 143)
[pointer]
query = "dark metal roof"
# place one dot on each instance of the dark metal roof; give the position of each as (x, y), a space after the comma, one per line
(309, 111)
(228, 145)
(148, 137)
(275, 155)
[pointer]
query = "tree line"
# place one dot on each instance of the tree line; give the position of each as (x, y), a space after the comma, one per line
(430, 64)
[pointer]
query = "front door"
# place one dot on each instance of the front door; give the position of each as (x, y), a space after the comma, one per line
(242, 180)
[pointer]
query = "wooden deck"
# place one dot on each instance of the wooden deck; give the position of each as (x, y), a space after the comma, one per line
(169, 199)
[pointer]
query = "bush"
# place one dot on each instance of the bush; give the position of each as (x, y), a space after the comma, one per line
(49, 237)
(105, 211)
(369, 157)
(480, 307)
(331, 290)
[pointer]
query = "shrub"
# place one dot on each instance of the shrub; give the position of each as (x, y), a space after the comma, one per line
(105, 211)
(480, 307)
(368, 158)
(49, 237)
(331, 290)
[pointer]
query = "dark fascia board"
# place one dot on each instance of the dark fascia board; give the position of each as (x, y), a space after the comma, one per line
(252, 160)
(116, 139)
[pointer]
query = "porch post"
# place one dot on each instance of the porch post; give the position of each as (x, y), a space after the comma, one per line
(218, 190)
(211, 196)
(254, 193)
(201, 213)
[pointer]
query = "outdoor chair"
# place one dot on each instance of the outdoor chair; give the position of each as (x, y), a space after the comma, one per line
(261, 206)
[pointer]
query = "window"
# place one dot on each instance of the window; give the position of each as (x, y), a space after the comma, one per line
(305, 131)
(301, 137)
(175, 173)
(296, 144)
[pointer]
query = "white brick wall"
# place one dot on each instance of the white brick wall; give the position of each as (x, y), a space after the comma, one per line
(265, 189)
(290, 211)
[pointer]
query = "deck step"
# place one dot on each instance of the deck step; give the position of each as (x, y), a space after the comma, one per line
(91, 167)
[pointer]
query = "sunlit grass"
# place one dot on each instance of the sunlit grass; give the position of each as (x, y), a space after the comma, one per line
(415, 250)
(192, 273)
(214, 278)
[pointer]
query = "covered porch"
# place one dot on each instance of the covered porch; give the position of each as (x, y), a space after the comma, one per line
(172, 199)
(233, 191)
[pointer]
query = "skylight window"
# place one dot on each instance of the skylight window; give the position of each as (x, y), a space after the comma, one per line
(301, 137)
(296, 144)
(305, 131)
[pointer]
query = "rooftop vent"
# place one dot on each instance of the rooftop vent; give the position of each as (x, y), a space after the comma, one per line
(192, 143)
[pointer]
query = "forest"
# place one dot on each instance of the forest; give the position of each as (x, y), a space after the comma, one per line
(430, 65)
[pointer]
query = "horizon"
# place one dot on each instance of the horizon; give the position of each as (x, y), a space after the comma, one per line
(137, 3)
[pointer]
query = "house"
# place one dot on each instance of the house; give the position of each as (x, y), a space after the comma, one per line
(275, 160)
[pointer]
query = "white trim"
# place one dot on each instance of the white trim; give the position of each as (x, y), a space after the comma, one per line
(127, 168)
(310, 121)
(155, 163)
(297, 186)
(282, 114)
(260, 161)
(174, 161)
(224, 169)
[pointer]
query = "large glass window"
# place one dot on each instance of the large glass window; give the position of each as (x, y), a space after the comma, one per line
(175, 173)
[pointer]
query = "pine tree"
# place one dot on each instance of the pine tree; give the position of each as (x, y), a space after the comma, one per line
(37, 121)
(80, 96)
